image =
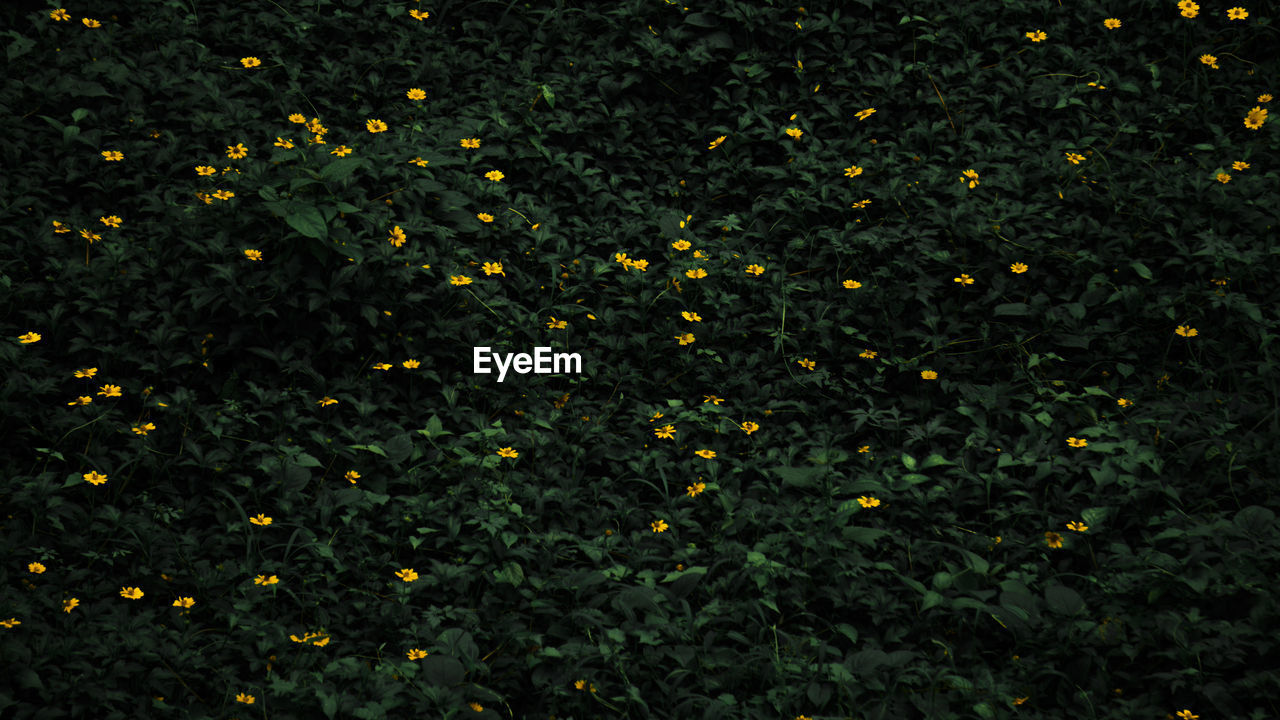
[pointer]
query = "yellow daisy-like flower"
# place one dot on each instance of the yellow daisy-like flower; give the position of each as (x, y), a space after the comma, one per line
(266, 580)
(1237, 13)
(237, 151)
(851, 284)
(1111, 23)
(419, 162)
(713, 400)
(260, 519)
(459, 280)
(351, 475)
(59, 15)
(375, 126)
(864, 449)
(1077, 526)
(754, 269)
(659, 526)
(86, 373)
(1189, 9)
(696, 489)
(90, 23)
(326, 401)
(94, 477)
(697, 273)
(411, 363)
(1124, 402)
(749, 427)
(1209, 60)
(864, 114)
(250, 61)
(70, 604)
(110, 221)
(255, 255)
(685, 339)
(407, 574)
(1240, 165)
(397, 236)
(666, 432)
(1053, 539)
(807, 364)
(868, 502)
(716, 143)
(341, 151)
(35, 568)
(1076, 442)
(205, 170)
(706, 454)
(852, 171)
(90, 236)
(641, 265)
(493, 268)
(868, 354)
(928, 375)
(382, 366)
(416, 654)
(112, 155)
(971, 176)
(963, 279)
(495, 175)
(1186, 331)
(1187, 715)
(1037, 36)
(144, 429)
(1074, 158)
(1255, 118)
(28, 338)
(681, 244)
(1223, 178)
(132, 593)
(224, 194)
(416, 93)
(297, 118)
(1264, 98)
(470, 143)
(555, 324)
(484, 217)
(11, 622)
(1018, 268)
(508, 452)
(860, 204)
(282, 143)
(184, 602)
(60, 228)
(419, 15)
(795, 133)
(690, 316)
(82, 400)
(245, 698)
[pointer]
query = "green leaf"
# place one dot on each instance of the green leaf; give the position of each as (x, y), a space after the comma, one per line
(548, 95)
(1143, 271)
(441, 671)
(934, 460)
(1013, 309)
(340, 169)
(908, 461)
(1063, 600)
(931, 599)
(800, 477)
(370, 448)
(1094, 516)
(308, 221)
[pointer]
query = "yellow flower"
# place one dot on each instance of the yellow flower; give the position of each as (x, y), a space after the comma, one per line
(712, 399)
(685, 339)
(1237, 13)
(864, 449)
(806, 363)
(90, 236)
(205, 170)
(60, 228)
(70, 604)
(749, 427)
(1187, 715)
(470, 143)
(666, 432)
(1240, 165)
(260, 519)
(86, 373)
(326, 401)
(1053, 539)
(1076, 442)
(1074, 158)
(964, 279)
(1223, 178)
(411, 363)
(10, 622)
(495, 175)
(659, 526)
(266, 580)
(237, 151)
(244, 698)
(716, 143)
(1186, 331)
(1264, 98)
(555, 324)
(1209, 60)
(868, 354)
(1018, 268)
(397, 236)
(250, 61)
(407, 574)
(1077, 526)
(132, 593)
(706, 454)
(184, 602)
(82, 400)
(59, 15)
(110, 221)
(419, 162)
(297, 118)
(1189, 9)
(351, 475)
(112, 155)
(753, 270)
(852, 171)
(681, 244)
(416, 654)
(1255, 118)
(29, 338)
(491, 268)
(1037, 36)
(695, 489)
(35, 568)
(375, 126)
(928, 375)
(144, 429)
(795, 133)
(224, 194)
(691, 316)
(416, 93)
(1111, 23)
(852, 284)
(90, 22)
(864, 114)
(255, 255)
(94, 477)
(1124, 402)
(459, 280)
(656, 416)
(341, 151)
(485, 217)
(508, 452)
(868, 502)
(972, 176)
(419, 15)
(698, 273)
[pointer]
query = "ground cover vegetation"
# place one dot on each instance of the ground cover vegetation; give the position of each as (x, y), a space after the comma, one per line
(928, 360)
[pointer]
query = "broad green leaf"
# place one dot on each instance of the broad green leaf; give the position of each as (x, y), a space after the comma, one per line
(308, 220)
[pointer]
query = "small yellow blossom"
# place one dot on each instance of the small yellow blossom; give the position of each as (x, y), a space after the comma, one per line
(971, 176)
(131, 593)
(864, 114)
(807, 364)
(749, 427)
(407, 574)
(375, 126)
(416, 93)
(555, 324)
(1053, 539)
(94, 477)
(30, 337)
(964, 279)
(112, 155)
(1077, 526)
(266, 580)
(326, 401)
(716, 143)
(681, 244)
(250, 61)
(184, 602)
(706, 454)
(795, 133)
(470, 143)
(411, 363)
(852, 284)
(70, 604)
(696, 273)
(1209, 60)
(753, 269)
(59, 15)
(1018, 268)
(459, 280)
(493, 268)
(1076, 442)
(245, 698)
(659, 526)
(351, 475)
(1111, 23)
(35, 568)
(868, 502)
(852, 171)
(928, 375)
(508, 452)
(1037, 36)
(255, 255)
(868, 354)
(144, 429)
(685, 338)
(260, 519)
(495, 175)
(695, 489)
(666, 432)
(1186, 331)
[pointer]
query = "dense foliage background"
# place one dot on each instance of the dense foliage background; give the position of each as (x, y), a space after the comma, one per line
(959, 322)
